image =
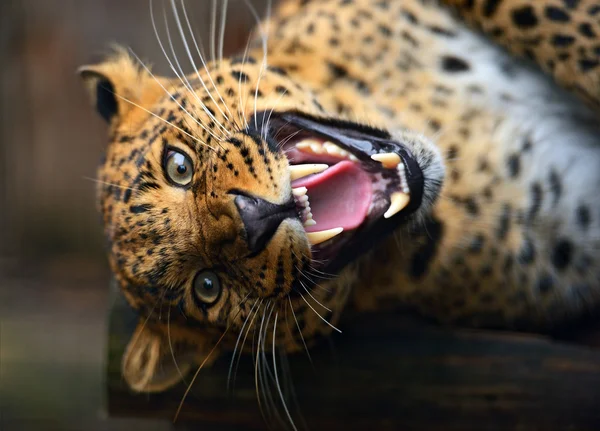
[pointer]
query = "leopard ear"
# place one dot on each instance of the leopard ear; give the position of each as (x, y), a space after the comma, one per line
(153, 364)
(118, 84)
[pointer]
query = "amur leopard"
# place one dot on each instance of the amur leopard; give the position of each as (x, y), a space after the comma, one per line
(365, 153)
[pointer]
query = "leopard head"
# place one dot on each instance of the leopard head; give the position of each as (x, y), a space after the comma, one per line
(237, 190)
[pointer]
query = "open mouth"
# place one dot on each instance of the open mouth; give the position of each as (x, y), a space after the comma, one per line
(352, 184)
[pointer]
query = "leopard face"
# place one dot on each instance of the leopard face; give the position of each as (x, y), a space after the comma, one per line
(233, 189)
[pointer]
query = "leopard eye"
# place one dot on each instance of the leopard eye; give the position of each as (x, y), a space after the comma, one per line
(179, 168)
(207, 287)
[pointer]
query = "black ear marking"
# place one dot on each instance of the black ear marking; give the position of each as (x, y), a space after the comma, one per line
(106, 101)
(102, 92)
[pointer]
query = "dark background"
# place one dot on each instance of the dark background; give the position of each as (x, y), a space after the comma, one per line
(53, 274)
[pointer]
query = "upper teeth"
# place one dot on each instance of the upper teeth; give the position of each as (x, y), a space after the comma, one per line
(391, 161)
(309, 145)
(388, 160)
(316, 147)
(334, 150)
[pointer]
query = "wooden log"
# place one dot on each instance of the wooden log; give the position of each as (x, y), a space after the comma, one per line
(385, 373)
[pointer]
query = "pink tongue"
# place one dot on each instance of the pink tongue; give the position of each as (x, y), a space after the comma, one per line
(338, 197)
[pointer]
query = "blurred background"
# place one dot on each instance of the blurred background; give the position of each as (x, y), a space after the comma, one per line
(53, 274)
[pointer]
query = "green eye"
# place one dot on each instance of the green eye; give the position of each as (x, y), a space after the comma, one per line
(207, 287)
(178, 168)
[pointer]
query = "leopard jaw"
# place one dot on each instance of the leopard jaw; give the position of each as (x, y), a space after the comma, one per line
(398, 200)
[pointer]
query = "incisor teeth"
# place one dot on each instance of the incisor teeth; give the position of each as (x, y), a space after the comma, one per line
(318, 237)
(316, 148)
(306, 143)
(398, 200)
(331, 148)
(299, 191)
(334, 150)
(388, 160)
(299, 171)
(310, 222)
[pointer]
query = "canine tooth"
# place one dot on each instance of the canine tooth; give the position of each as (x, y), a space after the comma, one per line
(310, 222)
(388, 160)
(398, 201)
(318, 237)
(299, 191)
(299, 171)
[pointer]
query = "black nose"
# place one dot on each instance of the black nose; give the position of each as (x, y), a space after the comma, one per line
(261, 219)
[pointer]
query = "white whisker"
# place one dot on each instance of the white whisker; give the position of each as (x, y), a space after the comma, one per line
(187, 84)
(242, 104)
(174, 71)
(287, 139)
(213, 30)
(264, 37)
(287, 412)
(314, 299)
(181, 75)
(299, 330)
(258, 382)
(165, 121)
(238, 341)
(266, 371)
(273, 109)
(189, 387)
(265, 125)
(321, 317)
(290, 386)
(108, 184)
(171, 345)
(189, 26)
(222, 33)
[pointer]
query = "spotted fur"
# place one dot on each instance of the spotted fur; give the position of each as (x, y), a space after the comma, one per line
(512, 239)
(561, 36)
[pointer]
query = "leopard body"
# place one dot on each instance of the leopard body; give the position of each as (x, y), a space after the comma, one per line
(508, 232)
